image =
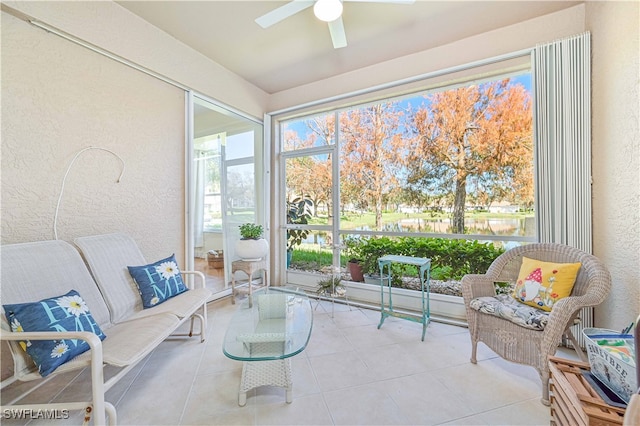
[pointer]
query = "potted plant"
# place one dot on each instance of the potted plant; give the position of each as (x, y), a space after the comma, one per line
(332, 287)
(367, 251)
(251, 231)
(298, 213)
(251, 245)
(355, 270)
(354, 265)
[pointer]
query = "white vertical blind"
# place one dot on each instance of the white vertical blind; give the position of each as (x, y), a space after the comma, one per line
(562, 131)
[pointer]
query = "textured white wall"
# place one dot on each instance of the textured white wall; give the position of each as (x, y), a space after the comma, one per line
(110, 26)
(58, 98)
(615, 46)
(159, 128)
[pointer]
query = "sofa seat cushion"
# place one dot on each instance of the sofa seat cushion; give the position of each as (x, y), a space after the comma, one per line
(505, 306)
(127, 343)
(182, 305)
(131, 341)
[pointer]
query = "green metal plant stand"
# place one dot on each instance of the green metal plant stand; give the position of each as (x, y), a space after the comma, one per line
(423, 265)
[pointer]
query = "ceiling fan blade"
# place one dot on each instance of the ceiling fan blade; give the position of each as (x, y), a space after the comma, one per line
(338, 36)
(384, 1)
(283, 12)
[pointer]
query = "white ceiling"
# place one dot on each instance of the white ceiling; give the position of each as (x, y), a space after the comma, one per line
(298, 50)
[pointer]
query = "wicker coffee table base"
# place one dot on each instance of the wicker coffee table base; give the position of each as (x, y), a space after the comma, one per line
(266, 373)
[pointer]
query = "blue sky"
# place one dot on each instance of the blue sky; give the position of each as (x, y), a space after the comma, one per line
(415, 100)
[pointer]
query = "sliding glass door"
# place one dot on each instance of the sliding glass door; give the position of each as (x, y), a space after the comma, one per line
(224, 175)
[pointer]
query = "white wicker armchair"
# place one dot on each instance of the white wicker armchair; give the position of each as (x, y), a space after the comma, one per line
(527, 346)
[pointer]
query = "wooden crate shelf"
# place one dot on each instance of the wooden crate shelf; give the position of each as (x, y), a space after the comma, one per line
(573, 401)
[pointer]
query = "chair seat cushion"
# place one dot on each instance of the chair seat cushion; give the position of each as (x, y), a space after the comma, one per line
(505, 306)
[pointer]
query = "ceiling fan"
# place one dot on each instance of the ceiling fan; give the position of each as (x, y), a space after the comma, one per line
(329, 11)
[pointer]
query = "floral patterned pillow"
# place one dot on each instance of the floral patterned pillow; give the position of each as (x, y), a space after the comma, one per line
(68, 312)
(158, 281)
(541, 284)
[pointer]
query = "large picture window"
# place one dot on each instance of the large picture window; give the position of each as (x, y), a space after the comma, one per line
(451, 163)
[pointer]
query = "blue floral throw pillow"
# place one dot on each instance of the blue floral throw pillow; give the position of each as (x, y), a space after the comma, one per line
(68, 312)
(158, 281)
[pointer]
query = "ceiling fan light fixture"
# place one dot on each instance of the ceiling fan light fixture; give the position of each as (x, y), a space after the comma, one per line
(327, 10)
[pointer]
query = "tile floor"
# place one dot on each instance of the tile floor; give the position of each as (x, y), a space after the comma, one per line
(350, 374)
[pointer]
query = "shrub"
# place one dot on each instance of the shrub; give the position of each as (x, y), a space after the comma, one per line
(450, 259)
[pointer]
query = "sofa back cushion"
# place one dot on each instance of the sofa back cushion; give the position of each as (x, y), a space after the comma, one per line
(108, 257)
(38, 270)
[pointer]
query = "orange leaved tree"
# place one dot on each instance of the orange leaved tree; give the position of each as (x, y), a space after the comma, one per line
(479, 136)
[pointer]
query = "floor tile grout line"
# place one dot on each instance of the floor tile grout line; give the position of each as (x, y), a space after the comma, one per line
(322, 393)
(195, 375)
(135, 378)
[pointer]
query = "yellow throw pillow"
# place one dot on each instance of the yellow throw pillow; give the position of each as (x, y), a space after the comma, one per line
(541, 284)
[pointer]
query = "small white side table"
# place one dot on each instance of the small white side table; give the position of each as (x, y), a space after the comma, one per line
(249, 267)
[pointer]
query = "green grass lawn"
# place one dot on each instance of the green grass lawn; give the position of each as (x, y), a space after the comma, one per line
(368, 219)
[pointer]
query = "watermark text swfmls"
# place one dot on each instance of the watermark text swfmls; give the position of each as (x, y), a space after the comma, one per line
(31, 414)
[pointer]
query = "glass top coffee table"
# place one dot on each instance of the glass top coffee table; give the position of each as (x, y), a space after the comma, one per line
(266, 335)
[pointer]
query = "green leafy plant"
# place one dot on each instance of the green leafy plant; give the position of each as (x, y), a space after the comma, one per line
(251, 231)
(450, 259)
(331, 286)
(371, 250)
(352, 249)
(442, 273)
(298, 213)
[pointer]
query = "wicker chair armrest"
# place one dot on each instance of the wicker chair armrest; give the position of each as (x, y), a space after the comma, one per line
(477, 285)
(562, 313)
(564, 308)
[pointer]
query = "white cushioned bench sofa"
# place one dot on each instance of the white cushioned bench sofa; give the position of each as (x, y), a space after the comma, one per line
(105, 301)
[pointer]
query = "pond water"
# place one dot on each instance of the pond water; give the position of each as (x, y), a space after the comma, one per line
(521, 227)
